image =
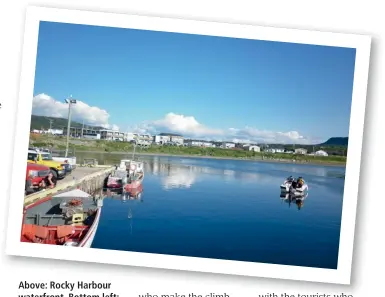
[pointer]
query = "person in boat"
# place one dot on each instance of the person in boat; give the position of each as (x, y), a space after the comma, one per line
(300, 182)
(297, 183)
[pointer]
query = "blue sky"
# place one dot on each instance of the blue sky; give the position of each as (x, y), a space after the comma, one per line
(192, 84)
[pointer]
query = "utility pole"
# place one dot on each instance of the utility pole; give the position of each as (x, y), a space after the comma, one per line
(82, 128)
(69, 101)
(50, 126)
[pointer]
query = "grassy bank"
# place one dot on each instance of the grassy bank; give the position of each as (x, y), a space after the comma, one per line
(58, 143)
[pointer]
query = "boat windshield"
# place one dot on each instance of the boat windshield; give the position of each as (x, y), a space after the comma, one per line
(46, 157)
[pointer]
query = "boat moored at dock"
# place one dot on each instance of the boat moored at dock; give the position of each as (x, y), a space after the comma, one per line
(127, 176)
(70, 219)
(135, 175)
(118, 178)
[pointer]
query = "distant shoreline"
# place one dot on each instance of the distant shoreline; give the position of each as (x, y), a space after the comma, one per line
(284, 161)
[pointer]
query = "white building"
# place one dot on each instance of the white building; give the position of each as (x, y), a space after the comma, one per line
(177, 139)
(162, 139)
(111, 135)
(191, 142)
(207, 144)
(301, 151)
(145, 137)
(106, 134)
(254, 148)
(129, 136)
(270, 150)
(204, 143)
(321, 153)
(55, 131)
(228, 145)
(91, 136)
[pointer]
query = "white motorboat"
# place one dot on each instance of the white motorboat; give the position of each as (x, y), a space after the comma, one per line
(285, 187)
(294, 187)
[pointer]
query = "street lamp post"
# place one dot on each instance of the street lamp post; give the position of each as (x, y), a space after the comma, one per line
(70, 101)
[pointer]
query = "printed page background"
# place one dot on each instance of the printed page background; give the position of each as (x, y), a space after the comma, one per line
(343, 16)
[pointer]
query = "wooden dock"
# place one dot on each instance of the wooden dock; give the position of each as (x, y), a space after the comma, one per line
(87, 179)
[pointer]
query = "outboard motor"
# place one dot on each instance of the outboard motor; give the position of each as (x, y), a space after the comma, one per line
(290, 179)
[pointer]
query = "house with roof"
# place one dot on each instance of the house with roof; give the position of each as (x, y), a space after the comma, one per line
(300, 151)
(164, 138)
(254, 148)
(194, 142)
(321, 153)
(228, 145)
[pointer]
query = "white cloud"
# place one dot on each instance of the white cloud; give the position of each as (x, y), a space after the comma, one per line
(185, 125)
(45, 105)
(250, 134)
(188, 126)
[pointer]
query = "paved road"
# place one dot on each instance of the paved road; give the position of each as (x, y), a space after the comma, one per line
(79, 172)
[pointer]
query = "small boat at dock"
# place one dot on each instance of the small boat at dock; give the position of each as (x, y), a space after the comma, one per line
(135, 175)
(127, 176)
(69, 219)
(118, 178)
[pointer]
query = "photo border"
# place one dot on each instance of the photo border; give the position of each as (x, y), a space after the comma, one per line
(361, 43)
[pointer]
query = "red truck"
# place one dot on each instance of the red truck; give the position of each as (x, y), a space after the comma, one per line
(34, 175)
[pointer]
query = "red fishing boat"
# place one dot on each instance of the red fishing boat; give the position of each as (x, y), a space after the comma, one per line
(70, 219)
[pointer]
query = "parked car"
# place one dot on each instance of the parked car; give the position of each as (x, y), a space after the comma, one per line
(69, 163)
(43, 158)
(34, 175)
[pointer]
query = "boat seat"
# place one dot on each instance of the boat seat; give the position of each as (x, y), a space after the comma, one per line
(29, 231)
(41, 232)
(35, 233)
(64, 230)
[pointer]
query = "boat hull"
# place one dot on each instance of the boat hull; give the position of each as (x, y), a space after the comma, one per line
(299, 191)
(117, 182)
(130, 186)
(89, 238)
(287, 188)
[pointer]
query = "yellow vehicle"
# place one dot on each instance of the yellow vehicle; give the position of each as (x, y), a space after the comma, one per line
(44, 158)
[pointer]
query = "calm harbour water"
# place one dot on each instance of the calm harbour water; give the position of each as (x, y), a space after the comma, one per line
(227, 209)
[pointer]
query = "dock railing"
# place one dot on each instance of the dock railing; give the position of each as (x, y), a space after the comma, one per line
(89, 162)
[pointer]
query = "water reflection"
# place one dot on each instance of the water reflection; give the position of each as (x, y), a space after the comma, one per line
(133, 194)
(298, 201)
(224, 209)
(180, 173)
(130, 198)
